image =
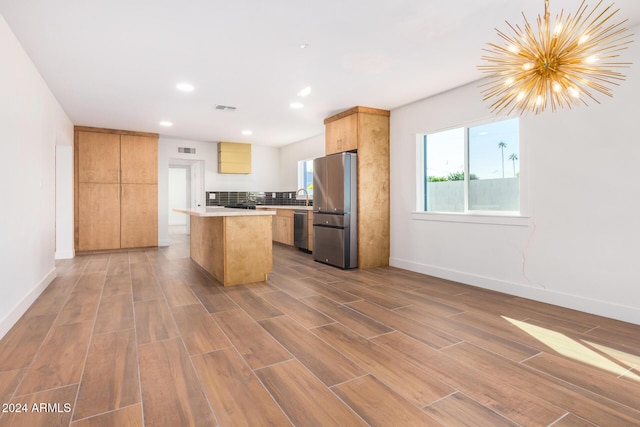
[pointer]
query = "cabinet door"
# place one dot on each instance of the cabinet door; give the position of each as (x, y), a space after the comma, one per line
(139, 215)
(139, 159)
(98, 216)
(342, 135)
(98, 157)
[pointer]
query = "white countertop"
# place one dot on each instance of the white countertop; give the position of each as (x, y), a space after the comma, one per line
(293, 207)
(221, 211)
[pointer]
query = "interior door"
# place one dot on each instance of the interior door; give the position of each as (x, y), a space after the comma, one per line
(197, 184)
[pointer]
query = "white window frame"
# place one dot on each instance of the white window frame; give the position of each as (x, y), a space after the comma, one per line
(509, 218)
(301, 163)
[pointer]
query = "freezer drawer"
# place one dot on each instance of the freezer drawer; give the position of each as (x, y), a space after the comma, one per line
(332, 246)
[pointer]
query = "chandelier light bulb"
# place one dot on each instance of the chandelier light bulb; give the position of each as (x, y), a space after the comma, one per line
(558, 64)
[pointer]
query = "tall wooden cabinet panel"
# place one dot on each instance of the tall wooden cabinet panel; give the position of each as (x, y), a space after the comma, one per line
(98, 216)
(139, 213)
(139, 159)
(116, 197)
(372, 144)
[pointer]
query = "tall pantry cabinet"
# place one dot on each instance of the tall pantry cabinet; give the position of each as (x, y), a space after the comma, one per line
(116, 183)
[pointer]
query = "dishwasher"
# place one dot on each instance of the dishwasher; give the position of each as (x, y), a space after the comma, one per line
(301, 230)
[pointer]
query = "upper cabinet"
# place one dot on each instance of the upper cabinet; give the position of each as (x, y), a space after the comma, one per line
(347, 130)
(98, 156)
(139, 159)
(234, 157)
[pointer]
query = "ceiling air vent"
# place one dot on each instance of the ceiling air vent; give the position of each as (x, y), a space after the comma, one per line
(186, 150)
(224, 108)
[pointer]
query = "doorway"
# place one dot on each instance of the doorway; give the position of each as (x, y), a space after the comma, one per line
(186, 191)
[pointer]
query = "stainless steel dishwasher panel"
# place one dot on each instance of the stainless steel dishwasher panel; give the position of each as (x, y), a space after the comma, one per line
(301, 229)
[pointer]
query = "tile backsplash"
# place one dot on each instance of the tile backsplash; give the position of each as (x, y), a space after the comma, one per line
(222, 198)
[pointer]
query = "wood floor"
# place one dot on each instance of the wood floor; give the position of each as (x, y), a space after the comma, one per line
(143, 338)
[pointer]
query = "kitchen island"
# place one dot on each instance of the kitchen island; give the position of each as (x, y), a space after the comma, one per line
(232, 245)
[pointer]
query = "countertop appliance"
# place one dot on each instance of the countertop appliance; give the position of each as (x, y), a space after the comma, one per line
(335, 230)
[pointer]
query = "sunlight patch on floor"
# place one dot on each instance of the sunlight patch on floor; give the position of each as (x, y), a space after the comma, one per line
(611, 360)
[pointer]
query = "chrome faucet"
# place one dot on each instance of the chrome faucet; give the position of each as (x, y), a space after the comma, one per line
(306, 193)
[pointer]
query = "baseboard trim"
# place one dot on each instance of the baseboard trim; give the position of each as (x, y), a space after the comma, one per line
(14, 315)
(66, 254)
(163, 242)
(574, 302)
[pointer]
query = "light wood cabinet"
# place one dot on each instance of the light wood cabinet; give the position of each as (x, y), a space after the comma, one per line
(98, 216)
(283, 226)
(372, 131)
(116, 189)
(139, 213)
(342, 134)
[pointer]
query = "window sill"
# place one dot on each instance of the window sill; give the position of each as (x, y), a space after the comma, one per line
(469, 218)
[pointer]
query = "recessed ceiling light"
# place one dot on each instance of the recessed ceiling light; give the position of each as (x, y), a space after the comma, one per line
(247, 132)
(304, 45)
(304, 92)
(296, 105)
(166, 123)
(185, 87)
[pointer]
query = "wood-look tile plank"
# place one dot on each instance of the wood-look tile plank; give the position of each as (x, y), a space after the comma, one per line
(200, 333)
(9, 381)
(52, 298)
(154, 321)
(236, 395)
(468, 332)
(260, 287)
(571, 420)
(82, 306)
(98, 263)
(138, 257)
(171, 391)
(61, 399)
(423, 332)
(307, 316)
(459, 410)
(254, 343)
(118, 265)
(378, 405)
(117, 285)
(329, 365)
(403, 377)
(358, 322)
(255, 306)
(21, 343)
(381, 297)
(60, 360)
(304, 398)
(144, 283)
(292, 286)
(131, 416)
(568, 396)
(597, 379)
(509, 401)
(330, 291)
(178, 292)
(213, 297)
(115, 313)
(110, 379)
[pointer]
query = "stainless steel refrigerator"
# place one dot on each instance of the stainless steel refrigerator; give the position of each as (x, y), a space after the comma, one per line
(335, 230)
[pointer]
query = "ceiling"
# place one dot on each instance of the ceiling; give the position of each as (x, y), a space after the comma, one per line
(116, 63)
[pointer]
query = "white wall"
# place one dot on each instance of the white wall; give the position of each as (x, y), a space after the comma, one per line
(31, 123)
(265, 174)
(291, 154)
(580, 248)
(65, 245)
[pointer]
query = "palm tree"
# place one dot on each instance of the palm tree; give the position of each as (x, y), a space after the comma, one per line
(513, 157)
(502, 145)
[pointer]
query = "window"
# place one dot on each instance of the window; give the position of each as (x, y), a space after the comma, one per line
(305, 176)
(472, 169)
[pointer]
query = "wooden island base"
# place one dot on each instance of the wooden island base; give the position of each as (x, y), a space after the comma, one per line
(233, 249)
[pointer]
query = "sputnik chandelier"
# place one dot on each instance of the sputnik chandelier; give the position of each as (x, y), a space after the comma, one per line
(559, 65)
